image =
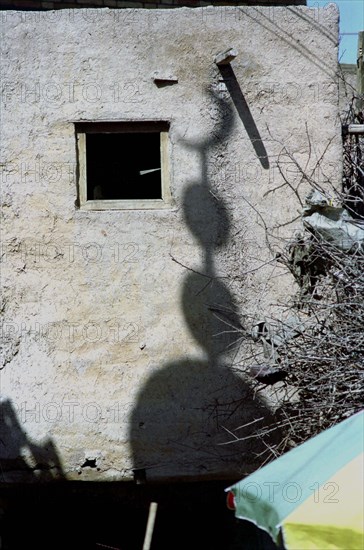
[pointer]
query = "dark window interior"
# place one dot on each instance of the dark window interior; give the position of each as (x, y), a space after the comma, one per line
(123, 166)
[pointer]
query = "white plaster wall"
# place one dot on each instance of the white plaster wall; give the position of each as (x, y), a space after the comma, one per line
(110, 353)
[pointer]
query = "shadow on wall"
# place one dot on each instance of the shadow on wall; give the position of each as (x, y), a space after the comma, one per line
(244, 113)
(41, 463)
(179, 425)
(269, 24)
(22, 460)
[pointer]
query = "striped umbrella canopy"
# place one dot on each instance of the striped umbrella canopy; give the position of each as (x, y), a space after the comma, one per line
(313, 494)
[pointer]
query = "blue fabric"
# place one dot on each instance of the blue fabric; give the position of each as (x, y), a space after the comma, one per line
(269, 495)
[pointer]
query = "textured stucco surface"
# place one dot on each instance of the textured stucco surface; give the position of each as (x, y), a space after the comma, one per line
(112, 359)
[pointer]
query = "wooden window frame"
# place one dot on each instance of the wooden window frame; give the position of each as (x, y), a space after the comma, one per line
(117, 127)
